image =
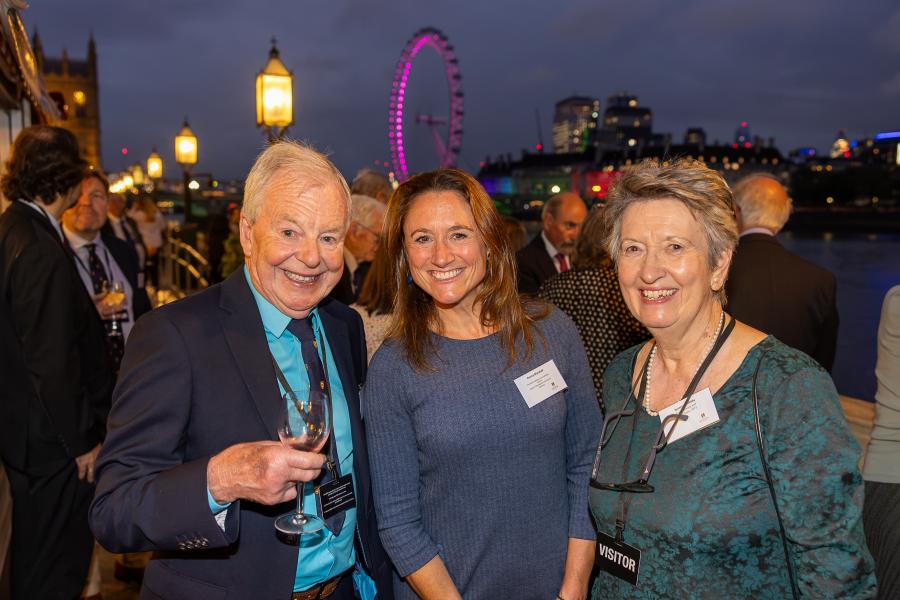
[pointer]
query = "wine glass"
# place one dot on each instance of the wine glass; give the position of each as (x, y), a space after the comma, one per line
(305, 425)
(114, 299)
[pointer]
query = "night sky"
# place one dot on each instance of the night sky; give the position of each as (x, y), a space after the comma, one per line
(798, 70)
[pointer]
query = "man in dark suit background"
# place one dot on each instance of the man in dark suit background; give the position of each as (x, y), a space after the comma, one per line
(192, 467)
(100, 256)
(773, 289)
(56, 378)
(551, 251)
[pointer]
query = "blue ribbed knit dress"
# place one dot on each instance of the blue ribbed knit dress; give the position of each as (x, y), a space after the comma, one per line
(464, 469)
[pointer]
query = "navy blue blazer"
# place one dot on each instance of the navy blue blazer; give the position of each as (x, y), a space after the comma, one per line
(197, 378)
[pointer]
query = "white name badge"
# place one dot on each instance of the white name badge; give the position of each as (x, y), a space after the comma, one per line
(539, 384)
(700, 412)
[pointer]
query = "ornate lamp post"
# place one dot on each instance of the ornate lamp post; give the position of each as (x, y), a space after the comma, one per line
(154, 171)
(186, 156)
(274, 97)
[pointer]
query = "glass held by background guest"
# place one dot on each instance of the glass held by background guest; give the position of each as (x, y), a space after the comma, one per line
(589, 293)
(550, 251)
(376, 300)
(882, 470)
(480, 476)
(708, 523)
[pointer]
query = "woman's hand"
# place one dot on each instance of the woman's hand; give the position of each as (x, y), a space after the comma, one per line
(579, 560)
(432, 582)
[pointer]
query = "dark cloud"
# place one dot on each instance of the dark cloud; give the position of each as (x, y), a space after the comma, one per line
(798, 70)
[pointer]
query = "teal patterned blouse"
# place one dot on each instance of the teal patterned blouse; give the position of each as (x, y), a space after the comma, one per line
(709, 529)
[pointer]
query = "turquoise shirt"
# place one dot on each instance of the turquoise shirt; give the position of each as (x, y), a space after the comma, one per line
(322, 555)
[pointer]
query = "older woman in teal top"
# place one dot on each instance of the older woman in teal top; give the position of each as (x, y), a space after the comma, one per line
(680, 492)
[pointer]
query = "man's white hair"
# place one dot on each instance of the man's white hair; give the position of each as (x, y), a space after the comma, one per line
(304, 166)
(366, 211)
(762, 204)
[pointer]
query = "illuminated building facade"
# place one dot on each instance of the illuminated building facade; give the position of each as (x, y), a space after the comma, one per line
(574, 124)
(73, 84)
(627, 124)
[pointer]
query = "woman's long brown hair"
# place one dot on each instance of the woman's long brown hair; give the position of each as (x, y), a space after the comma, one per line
(415, 316)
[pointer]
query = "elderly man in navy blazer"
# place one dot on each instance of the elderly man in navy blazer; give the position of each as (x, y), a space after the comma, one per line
(191, 467)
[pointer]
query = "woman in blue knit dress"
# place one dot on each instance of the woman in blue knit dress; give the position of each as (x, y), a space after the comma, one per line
(480, 412)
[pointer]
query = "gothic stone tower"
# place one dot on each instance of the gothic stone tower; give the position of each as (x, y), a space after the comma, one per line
(73, 85)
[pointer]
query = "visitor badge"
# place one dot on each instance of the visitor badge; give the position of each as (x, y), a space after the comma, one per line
(618, 559)
(700, 412)
(539, 384)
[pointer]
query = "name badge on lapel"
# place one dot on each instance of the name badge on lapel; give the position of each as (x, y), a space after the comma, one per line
(539, 384)
(337, 496)
(700, 412)
(618, 559)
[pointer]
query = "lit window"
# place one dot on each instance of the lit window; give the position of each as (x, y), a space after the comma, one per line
(79, 97)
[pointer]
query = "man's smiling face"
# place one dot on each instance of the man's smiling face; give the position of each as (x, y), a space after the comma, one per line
(294, 249)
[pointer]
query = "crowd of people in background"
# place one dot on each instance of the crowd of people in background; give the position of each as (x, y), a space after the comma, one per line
(635, 402)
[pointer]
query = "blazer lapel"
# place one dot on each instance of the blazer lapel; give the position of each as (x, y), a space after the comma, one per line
(246, 339)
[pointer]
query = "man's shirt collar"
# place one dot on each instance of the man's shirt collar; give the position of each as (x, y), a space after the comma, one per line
(77, 242)
(274, 320)
(551, 249)
(757, 230)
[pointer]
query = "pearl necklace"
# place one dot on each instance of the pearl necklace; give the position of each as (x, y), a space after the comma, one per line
(646, 402)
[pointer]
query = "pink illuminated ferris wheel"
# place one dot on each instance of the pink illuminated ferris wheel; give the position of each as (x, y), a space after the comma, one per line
(446, 144)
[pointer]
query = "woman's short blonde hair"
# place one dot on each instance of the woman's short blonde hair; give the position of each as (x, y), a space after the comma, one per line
(701, 189)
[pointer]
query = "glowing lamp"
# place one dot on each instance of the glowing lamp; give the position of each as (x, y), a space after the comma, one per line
(137, 174)
(154, 165)
(186, 147)
(274, 93)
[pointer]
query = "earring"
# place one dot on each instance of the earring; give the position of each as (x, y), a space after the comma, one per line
(409, 278)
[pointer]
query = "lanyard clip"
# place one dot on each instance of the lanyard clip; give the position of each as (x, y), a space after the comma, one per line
(330, 464)
(620, 530)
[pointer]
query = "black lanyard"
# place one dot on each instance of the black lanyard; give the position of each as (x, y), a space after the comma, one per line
(332, 458)
(625, 499)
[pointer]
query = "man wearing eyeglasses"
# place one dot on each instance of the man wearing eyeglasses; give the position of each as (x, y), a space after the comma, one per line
(363, 237)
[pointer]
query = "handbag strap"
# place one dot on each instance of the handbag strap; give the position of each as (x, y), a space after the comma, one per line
(795, 591)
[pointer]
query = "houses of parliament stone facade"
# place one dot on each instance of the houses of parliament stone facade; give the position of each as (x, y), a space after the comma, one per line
(73, 84)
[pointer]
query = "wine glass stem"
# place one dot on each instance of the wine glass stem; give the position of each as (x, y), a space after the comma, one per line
(301, 485)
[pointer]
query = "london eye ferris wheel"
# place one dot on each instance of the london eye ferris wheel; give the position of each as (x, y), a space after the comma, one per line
(446, 129)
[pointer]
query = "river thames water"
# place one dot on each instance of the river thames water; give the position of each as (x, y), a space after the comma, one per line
(866, 267)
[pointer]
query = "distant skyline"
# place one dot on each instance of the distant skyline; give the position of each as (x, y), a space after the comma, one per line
(797, 71)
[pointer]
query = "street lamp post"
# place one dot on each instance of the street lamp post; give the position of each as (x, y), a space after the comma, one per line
(154, 171)
(274, 97)
(186, 156)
